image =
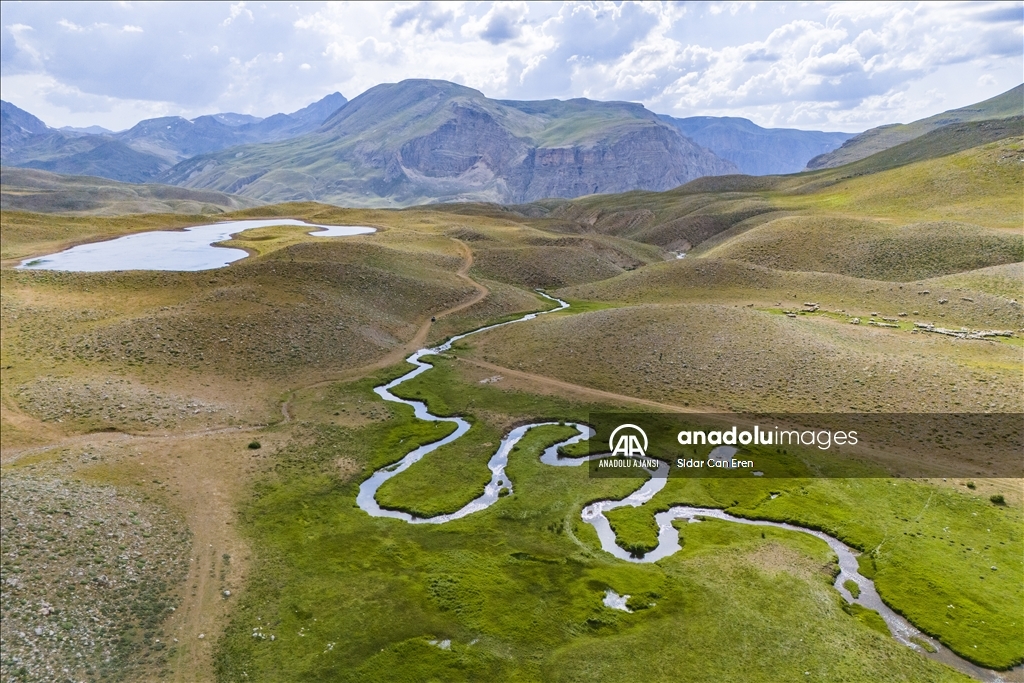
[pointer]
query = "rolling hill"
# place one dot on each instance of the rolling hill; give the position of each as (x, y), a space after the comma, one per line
(1010, 103)
(241, 400)
(44, 192)
(422, 141)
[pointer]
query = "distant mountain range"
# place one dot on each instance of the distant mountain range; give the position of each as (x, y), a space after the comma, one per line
(422, 141)
(413, 142)
(756, 150)
(150, 147)
(1010, 103)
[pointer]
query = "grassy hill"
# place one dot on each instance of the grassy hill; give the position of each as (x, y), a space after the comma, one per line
(44, 192)
(236, 405)
(963, 173)
(1010, 103)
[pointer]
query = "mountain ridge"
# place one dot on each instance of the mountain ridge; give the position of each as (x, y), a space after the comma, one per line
(424, 140)
(754, 149)
(1004, 105)
(149, 147)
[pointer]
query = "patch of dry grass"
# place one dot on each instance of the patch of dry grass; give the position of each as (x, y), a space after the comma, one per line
(711, 280)
(747, 360)
(872, 249)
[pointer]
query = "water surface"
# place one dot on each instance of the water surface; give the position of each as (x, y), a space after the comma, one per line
(182, 250)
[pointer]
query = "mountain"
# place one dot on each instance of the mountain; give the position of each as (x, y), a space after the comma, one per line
(43, 192)
(756, 150)
(30, 143)
(1010, 103)
(305, 120)
(175, 139)
(233, 119)
(93, 155)
(17, 126)
(88, 130)
(432, 141)
(150, 147)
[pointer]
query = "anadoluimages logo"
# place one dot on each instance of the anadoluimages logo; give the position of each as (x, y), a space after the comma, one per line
(628, 444)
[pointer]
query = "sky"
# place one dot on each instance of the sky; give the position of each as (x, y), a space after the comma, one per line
(817, 66)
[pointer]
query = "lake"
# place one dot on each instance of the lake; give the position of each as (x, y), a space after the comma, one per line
(188, 249)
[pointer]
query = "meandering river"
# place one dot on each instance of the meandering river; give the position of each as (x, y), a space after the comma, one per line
(594, 514)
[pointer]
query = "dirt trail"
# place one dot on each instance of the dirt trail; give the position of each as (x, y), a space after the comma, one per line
(211, 473)
(405, 350)
(98, 439)
(889, 458)
(579, 390)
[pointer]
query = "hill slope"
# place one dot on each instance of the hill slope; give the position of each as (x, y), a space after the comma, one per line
(421, 140)
(43, 192)
(965, 173)
(756, 150)
(1010, 103)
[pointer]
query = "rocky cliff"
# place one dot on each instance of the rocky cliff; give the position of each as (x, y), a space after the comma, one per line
(756, 150)
(424, 141)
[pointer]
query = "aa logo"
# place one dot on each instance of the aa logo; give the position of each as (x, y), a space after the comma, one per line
(628, 443)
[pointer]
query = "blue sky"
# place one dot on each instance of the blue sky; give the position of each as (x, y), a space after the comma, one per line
(831, 66)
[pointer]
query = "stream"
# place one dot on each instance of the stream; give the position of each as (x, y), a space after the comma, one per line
(594, 514)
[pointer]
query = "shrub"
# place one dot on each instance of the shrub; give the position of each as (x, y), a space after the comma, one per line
(998, 499)
(253, 445)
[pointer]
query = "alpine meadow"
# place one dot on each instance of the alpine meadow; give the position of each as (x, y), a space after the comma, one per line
(363, 432)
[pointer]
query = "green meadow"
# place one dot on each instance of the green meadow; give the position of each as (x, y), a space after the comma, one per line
(516, 589)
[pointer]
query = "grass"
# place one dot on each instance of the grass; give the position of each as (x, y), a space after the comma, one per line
(872, 250)
(517, 589)
(727, 282)
(729, 357)
(930, 551)
(979, 185)
(43, 192)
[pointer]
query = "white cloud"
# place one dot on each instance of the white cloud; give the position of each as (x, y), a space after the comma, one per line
(809, 65)
(235, 11)
(70, 26)
(503, 22)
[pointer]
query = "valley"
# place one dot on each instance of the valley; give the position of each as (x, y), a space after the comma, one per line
(201, 438)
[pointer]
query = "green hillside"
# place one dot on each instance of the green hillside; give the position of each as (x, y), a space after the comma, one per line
(1010, 103)
(43, 192)
(185, 449)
